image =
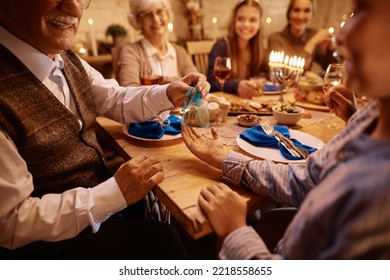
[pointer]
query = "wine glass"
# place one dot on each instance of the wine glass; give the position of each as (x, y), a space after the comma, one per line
(151, 73)
(334, 76)
(222, 69)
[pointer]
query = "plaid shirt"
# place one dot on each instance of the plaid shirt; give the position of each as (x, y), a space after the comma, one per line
(343, 195)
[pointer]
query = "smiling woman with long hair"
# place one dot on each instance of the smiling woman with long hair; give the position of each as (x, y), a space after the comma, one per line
(244, 46)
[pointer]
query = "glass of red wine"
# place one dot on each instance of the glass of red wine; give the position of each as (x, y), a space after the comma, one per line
(222, 69)
(151, 73)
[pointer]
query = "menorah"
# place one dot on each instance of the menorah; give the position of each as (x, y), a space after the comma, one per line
(285, 70)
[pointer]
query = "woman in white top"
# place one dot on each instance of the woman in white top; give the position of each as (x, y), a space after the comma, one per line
(151, 18)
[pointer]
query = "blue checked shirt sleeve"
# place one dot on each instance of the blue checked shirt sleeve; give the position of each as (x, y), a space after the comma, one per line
(287, 184)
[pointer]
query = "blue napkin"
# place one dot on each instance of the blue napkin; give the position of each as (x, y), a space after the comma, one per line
(174, 128)
(153, 130)
(269, 87)
(256, 136)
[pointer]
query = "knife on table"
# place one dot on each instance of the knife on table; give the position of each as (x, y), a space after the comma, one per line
(289, 145)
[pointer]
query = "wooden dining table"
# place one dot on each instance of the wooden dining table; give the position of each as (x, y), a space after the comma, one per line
(185, 175)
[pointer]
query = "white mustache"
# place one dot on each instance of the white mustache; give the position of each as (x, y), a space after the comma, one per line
(63, 19)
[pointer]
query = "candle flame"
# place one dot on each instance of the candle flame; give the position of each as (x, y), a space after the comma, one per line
(214, 20)
(90, 21)
(286, 60)
(277, 58)
(331, 30)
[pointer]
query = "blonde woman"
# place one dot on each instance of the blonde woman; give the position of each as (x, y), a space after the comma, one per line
(151, 18)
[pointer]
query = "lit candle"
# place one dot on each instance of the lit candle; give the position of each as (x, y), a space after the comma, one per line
(286, 59)
(214, 20)
(299, 61)
(271, 58)
(171, 34)
(295, 61)
(93, 37)
(277, 59)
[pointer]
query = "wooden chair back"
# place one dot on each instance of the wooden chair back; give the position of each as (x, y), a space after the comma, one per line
(199, 51)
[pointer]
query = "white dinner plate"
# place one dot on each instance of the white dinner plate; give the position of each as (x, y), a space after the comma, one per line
(274, 153)
(165, 137)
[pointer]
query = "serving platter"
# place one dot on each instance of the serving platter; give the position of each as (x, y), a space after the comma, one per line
(253, 107)
(307, 105)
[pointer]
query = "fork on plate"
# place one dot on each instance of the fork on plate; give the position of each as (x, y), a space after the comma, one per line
(287, 143)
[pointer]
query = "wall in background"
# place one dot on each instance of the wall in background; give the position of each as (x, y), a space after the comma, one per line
(104, 13)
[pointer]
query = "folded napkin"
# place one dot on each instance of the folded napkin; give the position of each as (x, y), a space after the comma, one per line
(269, 87)
(153, 130)
(257, 137)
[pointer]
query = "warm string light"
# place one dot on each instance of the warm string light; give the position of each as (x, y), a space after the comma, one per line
(83, 51)
(93, 37)
(170, 26)
(214, 21)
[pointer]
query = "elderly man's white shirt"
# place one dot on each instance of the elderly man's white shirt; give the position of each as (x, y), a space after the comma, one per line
(53, 217)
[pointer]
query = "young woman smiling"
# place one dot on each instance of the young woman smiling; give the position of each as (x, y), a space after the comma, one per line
(243, 45)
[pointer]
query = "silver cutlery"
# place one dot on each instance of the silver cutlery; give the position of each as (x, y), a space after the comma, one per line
(287, 143)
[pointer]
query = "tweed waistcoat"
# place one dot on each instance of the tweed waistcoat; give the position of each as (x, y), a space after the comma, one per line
(58, 155)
